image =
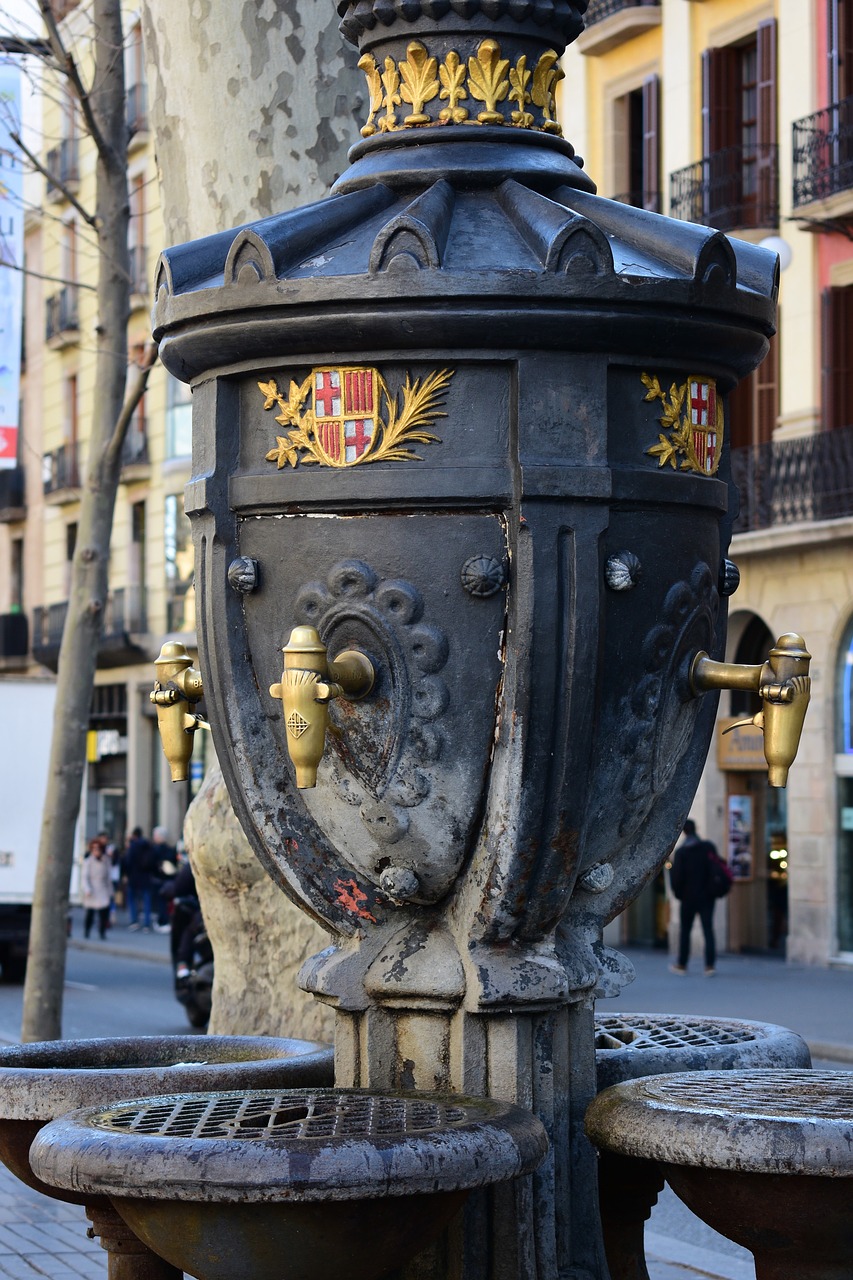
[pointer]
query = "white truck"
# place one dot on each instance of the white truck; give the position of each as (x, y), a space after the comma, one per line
(26, 719)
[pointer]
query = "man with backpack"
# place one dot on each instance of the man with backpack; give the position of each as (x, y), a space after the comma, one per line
(698, 877)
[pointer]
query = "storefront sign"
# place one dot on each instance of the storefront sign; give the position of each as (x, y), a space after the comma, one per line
(740, 837)
(740, 748)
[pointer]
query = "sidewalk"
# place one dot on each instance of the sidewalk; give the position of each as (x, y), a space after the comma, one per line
(44, 1238)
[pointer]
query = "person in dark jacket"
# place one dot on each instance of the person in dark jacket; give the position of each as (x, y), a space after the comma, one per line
(690, 878)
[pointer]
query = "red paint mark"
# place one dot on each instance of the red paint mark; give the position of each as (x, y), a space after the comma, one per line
(351, 897)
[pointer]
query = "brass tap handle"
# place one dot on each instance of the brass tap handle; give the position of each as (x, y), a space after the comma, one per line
(784, 686)
(308, 683)
(177, 686)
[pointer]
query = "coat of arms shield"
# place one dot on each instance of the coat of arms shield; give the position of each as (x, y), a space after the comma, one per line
(704, 425)
(345, 411)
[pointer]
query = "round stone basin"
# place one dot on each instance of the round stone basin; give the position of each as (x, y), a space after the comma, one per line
(630, 1045)
(43, 1080)
(303, 1183)
(764, 1157)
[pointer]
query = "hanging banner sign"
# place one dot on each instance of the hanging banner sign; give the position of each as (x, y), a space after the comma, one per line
(11, 260)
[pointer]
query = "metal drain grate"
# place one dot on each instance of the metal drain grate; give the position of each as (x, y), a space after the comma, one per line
(638, 1032)
(291, 1115)
(771, 1095)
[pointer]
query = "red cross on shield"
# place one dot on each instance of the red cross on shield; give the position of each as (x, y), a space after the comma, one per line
(345, 413)
(704, 422)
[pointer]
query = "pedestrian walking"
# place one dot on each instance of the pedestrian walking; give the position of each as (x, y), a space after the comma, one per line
(97, 887)
(698, 878)
(137, 863)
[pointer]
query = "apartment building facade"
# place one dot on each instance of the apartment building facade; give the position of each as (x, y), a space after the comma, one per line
(151, 557)
(739, 115)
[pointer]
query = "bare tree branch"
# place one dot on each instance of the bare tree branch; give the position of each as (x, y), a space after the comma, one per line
(70, 69)
(54, 181)
(134, 394)
(28, 271)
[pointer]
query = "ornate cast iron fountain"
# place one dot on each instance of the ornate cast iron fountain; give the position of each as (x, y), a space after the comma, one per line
(460, 450)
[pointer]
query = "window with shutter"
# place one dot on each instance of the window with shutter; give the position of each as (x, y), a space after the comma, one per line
(651, 143)
(837, 315)
(739, 165)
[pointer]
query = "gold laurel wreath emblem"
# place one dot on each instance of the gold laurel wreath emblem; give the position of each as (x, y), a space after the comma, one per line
(676, 443)
(406, 421)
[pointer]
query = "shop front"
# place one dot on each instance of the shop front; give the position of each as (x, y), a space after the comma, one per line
(756, 841)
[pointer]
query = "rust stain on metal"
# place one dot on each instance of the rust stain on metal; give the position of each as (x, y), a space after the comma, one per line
(351, 898)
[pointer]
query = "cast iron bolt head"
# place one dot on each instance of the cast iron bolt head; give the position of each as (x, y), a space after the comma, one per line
(482, 576)
(622, 571)
(598, 878)
(243, 574)
(729, 578)
(399, 883)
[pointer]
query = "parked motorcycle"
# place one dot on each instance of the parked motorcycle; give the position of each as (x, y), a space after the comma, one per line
(192, 960)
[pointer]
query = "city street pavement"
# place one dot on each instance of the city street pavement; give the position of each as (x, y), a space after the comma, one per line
(43, 1238)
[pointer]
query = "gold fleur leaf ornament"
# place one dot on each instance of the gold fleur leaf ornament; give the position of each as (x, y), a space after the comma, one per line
(519, 78)
(452, 75)
(546, 77)
(347, 423)
(367, 63)
(420, 83)
(692, 421)
(391, 98)
(487, 80)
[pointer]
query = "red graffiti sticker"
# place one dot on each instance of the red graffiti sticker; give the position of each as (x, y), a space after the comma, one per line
(351, 897)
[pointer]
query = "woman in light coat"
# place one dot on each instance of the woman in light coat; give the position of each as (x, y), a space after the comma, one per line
(97, 887)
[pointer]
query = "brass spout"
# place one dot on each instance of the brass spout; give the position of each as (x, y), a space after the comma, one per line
(308, 683)
(784, 686)
(177, 686)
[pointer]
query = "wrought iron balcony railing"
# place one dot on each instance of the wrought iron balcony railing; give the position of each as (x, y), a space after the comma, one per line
(137, 108)
(731, 189)
(61, 468)
(600, 9)
(124, 617)
(62, 165)
(12, 493)
(139, 269)
(62, 313)
(823, 153)
(14, 635)
(792, 481)
(125, 613)
(640, 200)
(134, 451)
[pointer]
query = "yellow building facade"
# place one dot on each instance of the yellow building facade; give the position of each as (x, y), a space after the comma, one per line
(151, 559)
(739, 115)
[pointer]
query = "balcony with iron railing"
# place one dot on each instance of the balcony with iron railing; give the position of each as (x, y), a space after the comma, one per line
(12, 494)
(608, 23)
(14, 640)
(61, 472)
(734, 189)
(122, 637)
(640, 200)
(795, 481)
(823, 158)
(62, 319)
(137, 110)
(62, 165)
(134, 450)
(139, 286)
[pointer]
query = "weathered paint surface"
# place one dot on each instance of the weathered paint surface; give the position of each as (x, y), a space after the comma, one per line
(254, 105)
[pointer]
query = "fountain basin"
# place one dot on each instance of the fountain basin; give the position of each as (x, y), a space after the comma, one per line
(764, 1157)
(46, 1079)
(228, 1184)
